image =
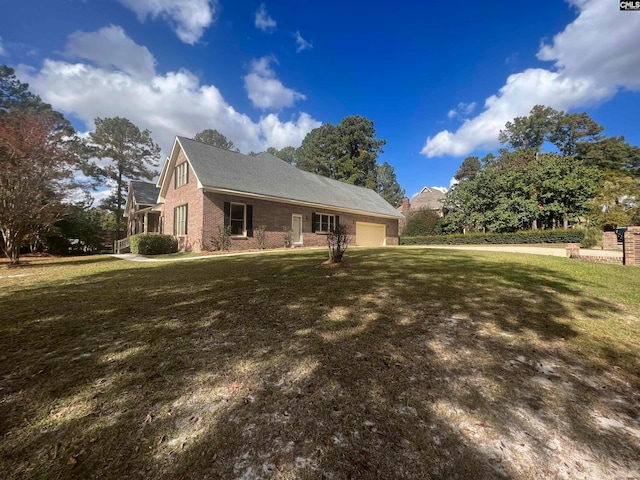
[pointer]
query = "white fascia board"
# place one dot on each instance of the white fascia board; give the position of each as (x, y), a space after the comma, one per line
(169, 168)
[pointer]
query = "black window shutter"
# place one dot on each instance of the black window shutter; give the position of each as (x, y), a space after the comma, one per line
(249, 220)
(313, 222)
(337, 222)
(227, 214)
(175, 178)
(186, 218)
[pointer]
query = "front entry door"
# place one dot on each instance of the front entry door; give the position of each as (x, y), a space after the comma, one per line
(297, 229)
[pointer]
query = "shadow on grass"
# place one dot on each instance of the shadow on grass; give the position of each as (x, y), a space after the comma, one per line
(30, 262)
(402, 364)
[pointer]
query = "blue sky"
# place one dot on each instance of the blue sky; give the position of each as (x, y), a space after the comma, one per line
(439, 79)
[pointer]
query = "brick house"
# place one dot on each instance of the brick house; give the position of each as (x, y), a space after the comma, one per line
(142, 210)
(202, 187)
(429, 198)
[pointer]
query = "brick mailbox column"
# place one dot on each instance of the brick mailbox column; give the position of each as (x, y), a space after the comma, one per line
(631, 246)
(609, 241)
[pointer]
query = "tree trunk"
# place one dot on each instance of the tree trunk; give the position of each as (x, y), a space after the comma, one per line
(565, 221)
(12, 243)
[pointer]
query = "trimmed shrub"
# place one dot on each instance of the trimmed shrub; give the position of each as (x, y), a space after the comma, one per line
(531, 236)
(423, 222)
(592, 237)
(145, 244)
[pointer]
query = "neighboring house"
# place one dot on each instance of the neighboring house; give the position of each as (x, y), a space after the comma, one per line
(202, 188)
(427, 199)
(142, 210)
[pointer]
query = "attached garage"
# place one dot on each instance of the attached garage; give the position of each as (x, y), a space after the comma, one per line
(370, 234)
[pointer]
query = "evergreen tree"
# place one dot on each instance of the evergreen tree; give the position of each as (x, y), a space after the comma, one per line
(215, 138)
(131, 154)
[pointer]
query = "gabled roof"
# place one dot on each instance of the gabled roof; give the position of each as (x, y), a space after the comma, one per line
(429, 198)
(144, 193)
(268, 176)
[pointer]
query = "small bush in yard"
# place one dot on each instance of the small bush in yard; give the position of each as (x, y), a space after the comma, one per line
(288, 237)
(222, 238)
(261, 236)
(338, 241)
(145, 244)
(592, 237)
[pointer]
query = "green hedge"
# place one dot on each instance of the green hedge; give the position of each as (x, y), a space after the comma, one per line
(145, 244)
(533, 236)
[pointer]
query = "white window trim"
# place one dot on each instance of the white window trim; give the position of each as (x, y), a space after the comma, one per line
(328, 222)
(182, 174)
(185, 220)
(244, 220)
(301, 242)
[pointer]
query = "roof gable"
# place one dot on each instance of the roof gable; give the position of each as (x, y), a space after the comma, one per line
(430, 198)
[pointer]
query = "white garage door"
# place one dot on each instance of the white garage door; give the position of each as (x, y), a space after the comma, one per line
(370, 234)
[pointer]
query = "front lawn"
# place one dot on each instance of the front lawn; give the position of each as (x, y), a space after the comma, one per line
(403, 363)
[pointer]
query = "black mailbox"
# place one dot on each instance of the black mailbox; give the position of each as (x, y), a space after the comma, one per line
(620, 234)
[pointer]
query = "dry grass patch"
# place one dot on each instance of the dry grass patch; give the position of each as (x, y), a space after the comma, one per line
(408, 363)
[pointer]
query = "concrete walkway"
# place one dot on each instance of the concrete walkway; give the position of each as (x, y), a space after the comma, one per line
(132, 257)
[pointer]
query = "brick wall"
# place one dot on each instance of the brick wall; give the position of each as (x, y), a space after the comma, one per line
(190, 195)
(610, 241)
(277, 217)
(573, 251)
(631, 248)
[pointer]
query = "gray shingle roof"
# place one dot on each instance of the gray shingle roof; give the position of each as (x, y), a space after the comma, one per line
(428, 198)
(270, 176)
(145, 193)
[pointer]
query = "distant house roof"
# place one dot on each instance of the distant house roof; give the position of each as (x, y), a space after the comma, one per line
(268, 176)
(429, 198)
(144, 193)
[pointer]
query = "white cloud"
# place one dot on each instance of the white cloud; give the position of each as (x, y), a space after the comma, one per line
(263, 21)
(265, 90)
(301, 43)
(188, 18)
(441, 189)
(175, 103)
(594, 57)
(110, 47)
(279, 135)
(3, 52)
(462, 110)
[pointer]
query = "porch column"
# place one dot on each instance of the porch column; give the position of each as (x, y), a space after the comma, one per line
(146, 222)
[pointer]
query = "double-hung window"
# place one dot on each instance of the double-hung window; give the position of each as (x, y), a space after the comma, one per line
(180, 220)
(238, 219)
(181, 174)
(324, 223)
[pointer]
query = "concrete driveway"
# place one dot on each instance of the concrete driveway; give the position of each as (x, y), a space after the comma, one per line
(552, 251)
